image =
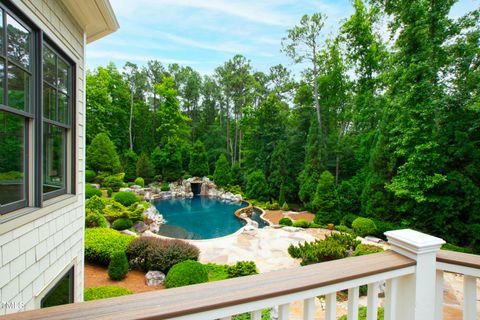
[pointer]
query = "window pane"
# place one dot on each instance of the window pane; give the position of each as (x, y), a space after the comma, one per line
(2, 76)
(18, 88)
(49, 68)
(61, 294)
(49, 110)
(1, 32)
(12, 155)
(62, 108)
(53, 158)
(63, 71)
(18, 42)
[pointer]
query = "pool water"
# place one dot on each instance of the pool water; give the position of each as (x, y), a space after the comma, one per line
(199, 217)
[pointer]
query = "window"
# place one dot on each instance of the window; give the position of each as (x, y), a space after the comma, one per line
(35, 115)
(56, 117)
(61, 293)
(15, 110)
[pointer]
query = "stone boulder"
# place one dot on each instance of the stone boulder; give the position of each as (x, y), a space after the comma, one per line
(140, 226)
(154, 278)
(250, 230)
(131, 233)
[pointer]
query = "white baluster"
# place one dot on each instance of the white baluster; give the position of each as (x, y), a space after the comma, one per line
(439, 295)
(284, 311)
(469, 298)
(256, 315)
(390, 299)
(331, 306)
(309, 309)
(353, 294)
(372, 301)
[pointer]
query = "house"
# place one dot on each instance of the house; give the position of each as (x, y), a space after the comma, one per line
(42, 147)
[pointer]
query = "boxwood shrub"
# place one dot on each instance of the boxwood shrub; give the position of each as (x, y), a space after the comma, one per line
(151, 253)
(301, 223)
(126, 198)
(140, 182)
(186, 273)
(242, 268)
(104, 292)
(93, 219)
(90, 175)
(118, 266)
(364, 227)
(285, 221)
(95, 203)
(91, 191)
(122, 224)
(100, 243)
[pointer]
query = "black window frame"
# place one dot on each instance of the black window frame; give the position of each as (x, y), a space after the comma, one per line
(33, 127)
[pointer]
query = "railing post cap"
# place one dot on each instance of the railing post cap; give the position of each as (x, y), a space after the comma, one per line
(413, 241)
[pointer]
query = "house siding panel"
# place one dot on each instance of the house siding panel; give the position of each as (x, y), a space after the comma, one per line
(35, 254)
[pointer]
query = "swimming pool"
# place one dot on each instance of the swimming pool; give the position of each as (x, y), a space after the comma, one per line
(199, 217)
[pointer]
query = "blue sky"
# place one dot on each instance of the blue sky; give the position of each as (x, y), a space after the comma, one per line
(205, 33)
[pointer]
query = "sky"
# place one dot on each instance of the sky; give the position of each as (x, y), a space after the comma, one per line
(204, 34)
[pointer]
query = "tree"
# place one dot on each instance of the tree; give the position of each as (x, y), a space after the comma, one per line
(257, 187)
(101, 154)
(222, 175)
(129, 164)
(325, 201)
(303, 43)
(198, 165)
(145, 168)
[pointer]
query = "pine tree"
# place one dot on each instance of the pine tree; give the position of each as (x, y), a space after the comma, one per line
(101, 155)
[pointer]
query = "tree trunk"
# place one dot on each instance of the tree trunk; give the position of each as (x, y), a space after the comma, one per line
(315, 91)
(337, 168)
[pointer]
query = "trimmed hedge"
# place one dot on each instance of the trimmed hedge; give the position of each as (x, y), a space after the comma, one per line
(93, 219)
(126, 198)
(95, 203)
(90, 175)
(100, 243)
(301, 223)
(104, 292)
(241, 269)
(186, 273)
(363, 249)
(364, 227)
(122, 224)
(151, 253)
(285, 222)
(139, 182)
(91, 191)
(118, 266)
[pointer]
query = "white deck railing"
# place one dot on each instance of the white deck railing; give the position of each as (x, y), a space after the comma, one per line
(412, 272)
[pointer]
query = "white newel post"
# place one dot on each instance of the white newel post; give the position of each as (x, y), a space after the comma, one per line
(416, 293)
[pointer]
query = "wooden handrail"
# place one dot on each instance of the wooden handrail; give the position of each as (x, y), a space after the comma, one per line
(189, 300)
(459, 258)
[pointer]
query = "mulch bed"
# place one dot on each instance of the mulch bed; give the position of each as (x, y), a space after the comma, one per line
(98, 276)
(274, 216)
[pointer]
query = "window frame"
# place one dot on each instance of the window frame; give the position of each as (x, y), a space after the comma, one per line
(71, 290)
(34, 121)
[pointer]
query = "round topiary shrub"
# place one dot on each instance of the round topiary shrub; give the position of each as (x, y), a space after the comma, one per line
(126, 198)
(186, 273)
(122, 224)
(118, 266)
(285, 222)
(139, 182)
(301, 223)
(364, 226)
(91, 191)
(94, 219)
(90, 175)
(104, 292)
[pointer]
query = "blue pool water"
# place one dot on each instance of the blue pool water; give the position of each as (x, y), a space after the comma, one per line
(199, 217)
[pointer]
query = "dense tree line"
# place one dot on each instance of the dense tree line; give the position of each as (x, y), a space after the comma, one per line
(388, 129)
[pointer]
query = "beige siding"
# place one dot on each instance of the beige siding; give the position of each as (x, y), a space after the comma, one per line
(33, 253)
